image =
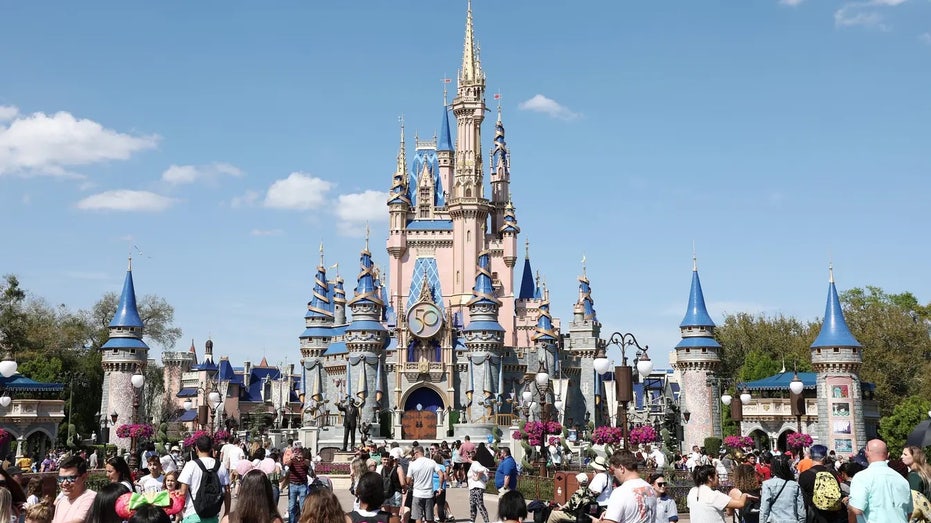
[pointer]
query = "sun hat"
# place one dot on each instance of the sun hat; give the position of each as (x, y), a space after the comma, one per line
(599, 464)
(581, 477)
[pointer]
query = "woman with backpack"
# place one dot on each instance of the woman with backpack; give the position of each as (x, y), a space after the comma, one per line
(392, 478)
(781, 500)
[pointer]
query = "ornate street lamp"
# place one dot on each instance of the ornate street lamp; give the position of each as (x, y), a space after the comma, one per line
(137, 380)
(623, 376)
(797, 399)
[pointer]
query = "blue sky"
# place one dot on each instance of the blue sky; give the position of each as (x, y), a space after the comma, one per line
(776, 136)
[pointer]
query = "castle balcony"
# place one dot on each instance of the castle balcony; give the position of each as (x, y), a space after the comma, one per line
(776, 408)
(28, 410)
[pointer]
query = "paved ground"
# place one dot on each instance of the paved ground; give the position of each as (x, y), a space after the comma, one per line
(458, 499)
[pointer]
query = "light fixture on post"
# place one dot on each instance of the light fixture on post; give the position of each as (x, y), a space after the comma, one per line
(797, 399)
(8, 366)
(214, 400)
(138, 381)
(623, 376)
(745, 397)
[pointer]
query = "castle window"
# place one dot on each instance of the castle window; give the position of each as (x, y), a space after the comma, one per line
(836, 350)
(468, 236)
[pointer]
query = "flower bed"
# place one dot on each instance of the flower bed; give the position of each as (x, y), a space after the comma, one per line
(798, 440)
(738, 442)
(332, 469)
(135, 430)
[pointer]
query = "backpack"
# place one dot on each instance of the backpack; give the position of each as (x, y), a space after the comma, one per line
(388, 482)
(826, 493)
(210, 495)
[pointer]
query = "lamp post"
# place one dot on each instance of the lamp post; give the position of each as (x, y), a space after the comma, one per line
(623, 375)
(137, 380)
(213, 401)
(721, 383)
(797, 399)
(7, 369)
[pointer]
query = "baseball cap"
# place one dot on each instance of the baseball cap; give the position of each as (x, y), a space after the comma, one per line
(175, 447)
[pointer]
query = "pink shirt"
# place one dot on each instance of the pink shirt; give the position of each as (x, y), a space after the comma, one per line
(67, 511)
(466, 450)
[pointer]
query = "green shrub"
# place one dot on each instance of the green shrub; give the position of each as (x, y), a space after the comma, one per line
(712, 446)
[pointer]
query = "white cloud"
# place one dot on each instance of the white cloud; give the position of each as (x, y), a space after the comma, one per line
(266, 232)
(299, 191)
(181, 174)
(248, 199)
(542, 104)
(925, 38)
(50, 144)
(864, 14)
(357, 209)
(126, 200)
(791, 2)
(8, 112)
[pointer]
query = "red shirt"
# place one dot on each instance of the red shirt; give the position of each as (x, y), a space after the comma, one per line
(297, 470)
(763, 472)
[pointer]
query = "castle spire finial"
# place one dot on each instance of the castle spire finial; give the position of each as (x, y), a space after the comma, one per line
(367, 232)
(694, 258)
(831, 272)
(321, 254)
(583, 265)
(446, 81)
(471, 70)
(527, 248)
(130, 268)
(498, 99)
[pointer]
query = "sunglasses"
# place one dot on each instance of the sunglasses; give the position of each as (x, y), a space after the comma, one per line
(70, 479)
(661, 484)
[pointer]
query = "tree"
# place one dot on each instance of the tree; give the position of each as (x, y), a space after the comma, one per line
(156, 313)
(895, 428)
(893, 331)
(754, 347)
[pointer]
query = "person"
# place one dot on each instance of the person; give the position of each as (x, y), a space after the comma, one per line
(506, 474)
(666, 509)
(919, 471)
(92, 461)
(103, 510)
(76, 499)
(255, 503)
(297, 481)
(33, 492)
(512, 508)
(657, 456)
(466, 450)
(322, 506)
(781, 499)
(484, 456)
(440, 484)
(420, 481)
(601, 485)
(806, 462)
(393, 475)
(569, 511)
(371, 494)
(878, 493)
(6, 505)
(350, 420)
(173, 460)
(272, 468)
(155, 479)
(746, 480)
(190, 479)
(149, 514)
(847, 471)
(634, 501)
(118, 472)
(706, 503)
(807, 480)
(231, 454)
(40, 512)
(477, 479)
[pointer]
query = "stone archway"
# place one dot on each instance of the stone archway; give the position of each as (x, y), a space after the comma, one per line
(420, 413)
(761, 439)
(781, 441)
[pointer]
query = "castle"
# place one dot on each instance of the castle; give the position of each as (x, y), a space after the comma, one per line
(446, 341)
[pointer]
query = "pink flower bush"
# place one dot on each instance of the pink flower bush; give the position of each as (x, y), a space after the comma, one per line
(738, 442)
(606, 435)
(644, 434)
(797, 440)
(554, 440)
(135, 430)
(5, 436)
(217, 436)
(535, 432)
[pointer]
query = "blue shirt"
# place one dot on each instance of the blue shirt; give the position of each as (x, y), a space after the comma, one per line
(508, 468)
(882, 494)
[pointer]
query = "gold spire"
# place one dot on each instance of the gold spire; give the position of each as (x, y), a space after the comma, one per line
(402, 153)
(367, 231)
(471, 69)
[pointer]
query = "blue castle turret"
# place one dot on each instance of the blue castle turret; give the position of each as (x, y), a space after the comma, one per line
(123, 354)
(836, 358)
(319, 318)
(697, 359)
(484, 337)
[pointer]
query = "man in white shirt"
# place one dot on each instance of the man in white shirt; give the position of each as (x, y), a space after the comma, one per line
(172, 461)
(154, 481)
(601, 485)
(420, 479)
(657, 456)
(635, 500)
(190, 480)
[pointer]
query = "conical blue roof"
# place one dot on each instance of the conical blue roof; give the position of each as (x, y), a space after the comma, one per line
(527, 286)
(366, 291)
(697, 314)
(585, 297)
(320, 306)
(544, 330)
(126, 313)
(483, 292)
(834, 331)
(445, 143)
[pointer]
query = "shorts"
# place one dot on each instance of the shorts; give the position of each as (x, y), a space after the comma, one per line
(393, 501)
(422, 509)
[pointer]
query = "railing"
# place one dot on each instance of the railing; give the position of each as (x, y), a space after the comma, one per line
(778, 407)
(30, 408)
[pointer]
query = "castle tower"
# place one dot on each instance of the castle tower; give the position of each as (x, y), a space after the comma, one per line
(399, 204)
(484, 338)
(500, 175)
(582, 344)
(467, 206)
(339, 301)
(174, 365)
(544, 359)
(835, 356)
(317, 335)
(123, 355)
(697, 359)
(366, 339)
